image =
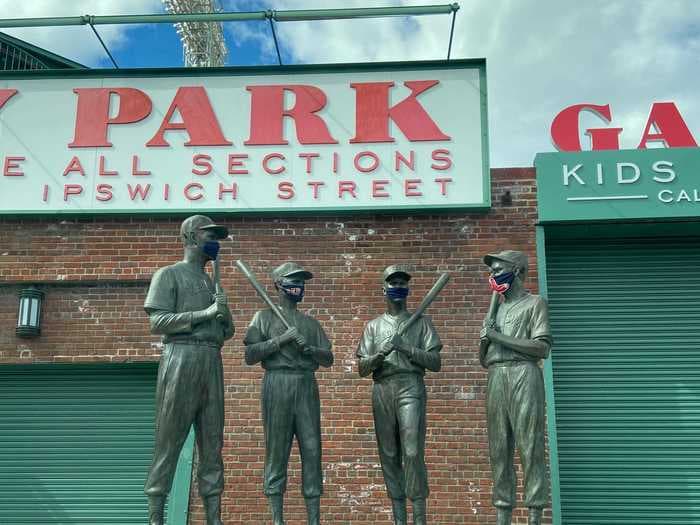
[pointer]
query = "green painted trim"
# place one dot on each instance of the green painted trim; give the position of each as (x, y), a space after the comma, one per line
(179, 502)
(32, 367)
(467, 63)
(549, 388)
(39, 52)
(309, 211)
(483, 88)
(607, 230)
(595, 192)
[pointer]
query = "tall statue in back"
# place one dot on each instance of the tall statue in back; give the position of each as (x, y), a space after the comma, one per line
(192, 315)
(515, 337)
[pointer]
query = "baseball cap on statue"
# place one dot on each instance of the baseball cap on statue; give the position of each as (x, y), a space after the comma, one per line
(202, 222)
(288, 269)
(514, 257)
(394, 269)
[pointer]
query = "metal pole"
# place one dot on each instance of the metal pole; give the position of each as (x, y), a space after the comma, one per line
(274, 36)
(130, 19)
(104, 46)
(452, 31)
(279, 16)
(362, 12)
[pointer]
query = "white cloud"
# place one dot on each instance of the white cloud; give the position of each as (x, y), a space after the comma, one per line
(542, 56)
(257, 33)
(75, 42)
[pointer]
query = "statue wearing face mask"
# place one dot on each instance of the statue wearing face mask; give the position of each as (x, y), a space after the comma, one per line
(194, 320)
(512, 344)
(398, 364)
(290, 400)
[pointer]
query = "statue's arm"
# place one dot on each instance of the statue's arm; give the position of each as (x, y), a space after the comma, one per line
(316, 344)
(258, 346)
(538, 344)
(483, 349)
(422, 349)
(321, 354)
(256, 352)
(367, 363)
(160, 305)
(229, 328)
(428, 359)
(538, 347)
(321, 349)
(164, 322)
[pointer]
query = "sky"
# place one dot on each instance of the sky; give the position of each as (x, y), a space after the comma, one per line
(542, 55)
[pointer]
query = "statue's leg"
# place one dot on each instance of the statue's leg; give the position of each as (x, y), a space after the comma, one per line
(534, 516)
(279, 390)
(276, 502)
(386, 432)
(176, 406)
(307, 427)
(156, 510)
(419, 511)
(529, 415)
(313, 510)
(411, 405)
(212, 509)
(503, 516)
(501, 441)
(398, 508)
(209, 431)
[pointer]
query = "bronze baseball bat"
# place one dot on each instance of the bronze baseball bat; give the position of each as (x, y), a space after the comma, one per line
(489, 319)
(216, 273)
(427, 300)
(493, 308)
(243, 267)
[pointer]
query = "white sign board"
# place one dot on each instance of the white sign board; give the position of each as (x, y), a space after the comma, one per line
(408, 136)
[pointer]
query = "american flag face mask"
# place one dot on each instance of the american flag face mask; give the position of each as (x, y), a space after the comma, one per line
(501, 283)
(294, 291)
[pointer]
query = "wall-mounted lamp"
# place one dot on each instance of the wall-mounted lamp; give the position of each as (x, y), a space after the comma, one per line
(29, 316)
(506, 198)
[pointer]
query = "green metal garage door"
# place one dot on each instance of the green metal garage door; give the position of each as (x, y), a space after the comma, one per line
(626, 370)
(75, 443)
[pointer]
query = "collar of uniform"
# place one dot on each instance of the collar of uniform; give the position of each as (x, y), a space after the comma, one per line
(397, 318)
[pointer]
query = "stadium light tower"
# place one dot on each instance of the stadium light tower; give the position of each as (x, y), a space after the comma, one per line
(203, 43)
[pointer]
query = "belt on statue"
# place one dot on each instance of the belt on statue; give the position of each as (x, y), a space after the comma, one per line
(194, 342)
(511, 363)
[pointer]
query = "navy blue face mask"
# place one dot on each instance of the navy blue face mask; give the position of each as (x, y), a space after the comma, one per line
(396, 293)
(295, 292)
(211, 249)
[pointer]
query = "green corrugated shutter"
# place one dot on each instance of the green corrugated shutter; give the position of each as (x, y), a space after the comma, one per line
(75, 443)
(626, 369)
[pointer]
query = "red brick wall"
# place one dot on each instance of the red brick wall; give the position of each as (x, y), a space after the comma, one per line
(95, 272)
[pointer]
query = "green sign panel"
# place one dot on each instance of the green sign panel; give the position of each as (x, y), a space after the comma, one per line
(620, 184)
